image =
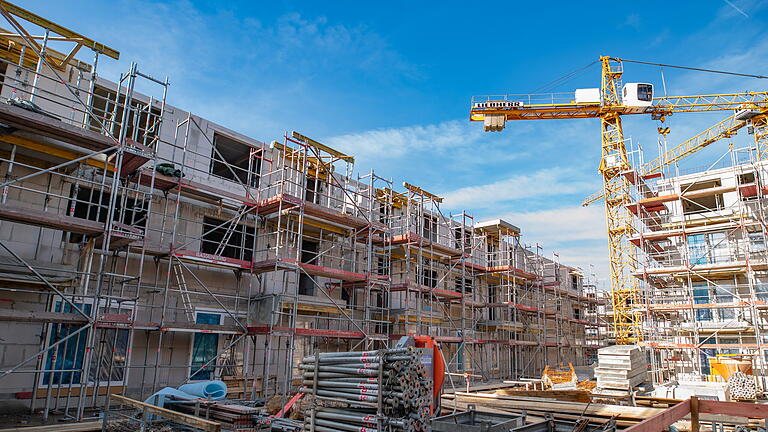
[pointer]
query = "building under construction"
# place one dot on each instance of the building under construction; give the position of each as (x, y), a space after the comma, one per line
(143, 246)
(702, 260)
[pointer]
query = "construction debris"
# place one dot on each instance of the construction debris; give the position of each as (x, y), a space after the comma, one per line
(586, 385)
(560, 379)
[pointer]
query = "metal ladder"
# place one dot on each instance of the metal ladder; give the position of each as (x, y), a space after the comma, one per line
(181, 283)
(231, 227)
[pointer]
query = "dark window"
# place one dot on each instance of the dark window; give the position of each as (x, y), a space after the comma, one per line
(429, 228)
(63, 361)
(747, 178)
(492, 299)
(87, 203)
(577, 313)
(382, 301)
(309, 251)
(383, 211)
(381, 266)
(645, 92)
(463, 238)
(314, 190)
(67, 357)
(347, 295)
(228, 240)
(234, 161)
(429, 274)
(4, 69)
(491, 248)
(465, 283)
(205, 346)
(704, 203)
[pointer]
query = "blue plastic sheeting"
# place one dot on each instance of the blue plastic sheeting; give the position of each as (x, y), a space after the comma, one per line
(213, 390)
(159, 398)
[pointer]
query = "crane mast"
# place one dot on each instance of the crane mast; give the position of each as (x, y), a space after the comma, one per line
(616, 189)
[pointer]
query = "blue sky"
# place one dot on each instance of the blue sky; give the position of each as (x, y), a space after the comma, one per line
(390, 82)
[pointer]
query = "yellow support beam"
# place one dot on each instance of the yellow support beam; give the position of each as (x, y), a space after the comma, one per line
(58, 29)
(51, 150)
(333, 152)
(419, 191)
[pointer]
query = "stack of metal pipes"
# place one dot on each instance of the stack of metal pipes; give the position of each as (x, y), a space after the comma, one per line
(367, 391)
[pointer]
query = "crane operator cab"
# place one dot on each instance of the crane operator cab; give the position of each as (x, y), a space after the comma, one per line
(637, 94)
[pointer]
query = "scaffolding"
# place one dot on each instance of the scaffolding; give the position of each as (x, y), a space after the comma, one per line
(701, 237)
(145, 247)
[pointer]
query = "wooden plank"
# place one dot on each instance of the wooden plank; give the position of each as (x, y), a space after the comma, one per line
(694, 402)
(482, 387)
(54, 128)
(41, 317)
(484, 409)
(66, 427)
(661, 421)
(51, 150)
(559, 406)
(563, 395)
(50, 220)
(323, 147)
(186, 419)
(744, 409)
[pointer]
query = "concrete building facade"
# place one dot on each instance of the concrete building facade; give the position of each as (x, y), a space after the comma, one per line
(144, 246)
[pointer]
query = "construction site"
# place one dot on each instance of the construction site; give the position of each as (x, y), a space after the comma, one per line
(161, 272)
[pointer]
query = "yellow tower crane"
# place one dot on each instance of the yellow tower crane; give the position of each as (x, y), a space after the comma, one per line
(608, 103)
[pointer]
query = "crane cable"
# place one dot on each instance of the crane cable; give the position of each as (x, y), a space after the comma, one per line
(562, 79)
(694, 69)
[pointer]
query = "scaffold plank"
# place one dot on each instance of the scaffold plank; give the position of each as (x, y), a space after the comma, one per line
(53, 128)
(41, 218)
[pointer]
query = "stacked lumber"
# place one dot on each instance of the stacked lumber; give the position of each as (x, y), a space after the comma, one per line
(563, 395)
(539, 407)
(239, 387)
(234, 417)
(67, 427)
(620, 367)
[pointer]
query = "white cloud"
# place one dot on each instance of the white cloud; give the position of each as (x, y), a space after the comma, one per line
(284, 70)
(554, 181)
(451, 135)
(453, 153)
(577, 234)
(436, 156)
(561, 225)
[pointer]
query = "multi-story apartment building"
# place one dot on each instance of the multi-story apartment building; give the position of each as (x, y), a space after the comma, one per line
(143, 246)
(702, 256)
